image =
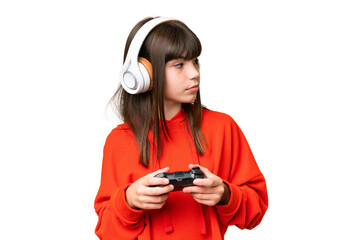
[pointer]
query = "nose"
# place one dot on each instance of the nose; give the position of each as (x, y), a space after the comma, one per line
(193, 71)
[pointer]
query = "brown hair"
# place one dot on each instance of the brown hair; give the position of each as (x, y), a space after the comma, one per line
(167, 41)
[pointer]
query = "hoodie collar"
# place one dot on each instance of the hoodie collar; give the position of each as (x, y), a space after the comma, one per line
(178, 118)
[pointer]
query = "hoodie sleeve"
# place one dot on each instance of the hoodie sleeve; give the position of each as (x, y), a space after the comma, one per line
(248, 198)
(117, 220)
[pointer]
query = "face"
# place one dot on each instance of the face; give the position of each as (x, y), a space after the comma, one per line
(182, 78)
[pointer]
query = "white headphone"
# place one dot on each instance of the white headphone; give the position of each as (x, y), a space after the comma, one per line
(136, 73)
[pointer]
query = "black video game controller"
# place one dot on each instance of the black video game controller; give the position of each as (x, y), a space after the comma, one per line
(182, 179)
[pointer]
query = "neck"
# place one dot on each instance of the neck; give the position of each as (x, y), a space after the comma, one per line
(171, 110)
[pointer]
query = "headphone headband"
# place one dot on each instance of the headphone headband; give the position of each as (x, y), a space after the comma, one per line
(133, 76)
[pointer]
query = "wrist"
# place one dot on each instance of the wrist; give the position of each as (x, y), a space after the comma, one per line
(127, 198)
(226, 195)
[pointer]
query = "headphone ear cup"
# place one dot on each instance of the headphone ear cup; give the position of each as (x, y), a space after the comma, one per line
(147, 73)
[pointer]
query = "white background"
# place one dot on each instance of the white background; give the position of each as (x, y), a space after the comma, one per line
(287, 71)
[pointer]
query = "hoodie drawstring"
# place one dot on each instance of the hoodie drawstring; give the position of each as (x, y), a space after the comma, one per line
(167, 218)
(195, 155)
(165, 211)
(203, 229)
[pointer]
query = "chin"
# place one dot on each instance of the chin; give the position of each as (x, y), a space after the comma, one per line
(189, 100)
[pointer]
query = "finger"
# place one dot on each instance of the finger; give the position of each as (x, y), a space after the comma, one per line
(190, 189)
(156, 181)
(203, 169)
(197, 189)
(150, 206)
(205, 196)
(214, 180)
(157, 191)
(153, 199)
(146, 179)
(204, 182)
(206, 202)
(206, 171)
(193, 165)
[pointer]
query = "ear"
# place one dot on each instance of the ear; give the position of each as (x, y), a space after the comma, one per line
(148, 68)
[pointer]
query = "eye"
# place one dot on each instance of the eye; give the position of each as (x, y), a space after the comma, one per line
(196, 62)
(178, 65)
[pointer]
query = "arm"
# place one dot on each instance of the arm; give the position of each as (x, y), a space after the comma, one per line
(247, 205)
(248, 194)
(117, 220)
(120, 203)
(235, 205)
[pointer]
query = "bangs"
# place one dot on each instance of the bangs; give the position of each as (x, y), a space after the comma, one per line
(181, 43)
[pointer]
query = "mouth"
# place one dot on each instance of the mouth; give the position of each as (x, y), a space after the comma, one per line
(193, 88)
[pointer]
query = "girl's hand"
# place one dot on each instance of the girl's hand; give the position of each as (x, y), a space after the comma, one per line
(141, 194)
(210, 190)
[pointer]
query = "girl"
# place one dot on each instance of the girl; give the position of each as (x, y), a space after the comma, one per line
(166, 129)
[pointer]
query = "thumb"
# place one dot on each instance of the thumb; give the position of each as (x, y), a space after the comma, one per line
(203, 169)
(158, 171)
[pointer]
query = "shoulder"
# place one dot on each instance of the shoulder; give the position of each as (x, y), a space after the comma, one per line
(217, 118)
(219, 124)
(120, 153)
(221, 129)
(120, 135)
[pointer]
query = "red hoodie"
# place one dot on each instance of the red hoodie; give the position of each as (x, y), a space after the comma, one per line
(227, 155)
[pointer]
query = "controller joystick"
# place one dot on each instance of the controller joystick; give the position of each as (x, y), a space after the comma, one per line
(182, 179)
